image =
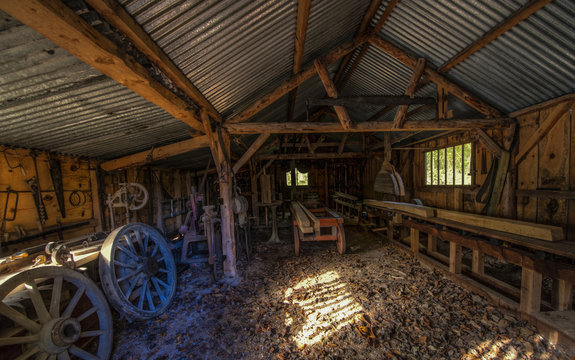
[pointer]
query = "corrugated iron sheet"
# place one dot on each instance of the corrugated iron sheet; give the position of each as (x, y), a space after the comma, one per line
(50, 100)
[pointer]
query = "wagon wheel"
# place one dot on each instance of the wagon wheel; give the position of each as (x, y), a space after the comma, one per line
(53, 313)
(137, 271)
(340, 239)
(296, 240)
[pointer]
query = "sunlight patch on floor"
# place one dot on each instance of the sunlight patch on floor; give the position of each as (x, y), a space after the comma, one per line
(326, 305)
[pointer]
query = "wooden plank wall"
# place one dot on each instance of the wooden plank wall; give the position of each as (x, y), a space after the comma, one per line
(17, 166)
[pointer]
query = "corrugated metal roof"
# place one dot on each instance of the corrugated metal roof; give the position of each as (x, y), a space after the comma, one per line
(50, 100)
(233, 51)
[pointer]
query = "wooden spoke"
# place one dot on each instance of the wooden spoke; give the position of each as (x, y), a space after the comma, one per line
(143, 291)
(82, 354)
(28, 353)
(161, 282)
(127, 252)
(92, 333)
(63, 356)
(37, 301)
(157, 287)
(7, 341)
(130, 266)
(132, 287)
(18, 318)
(72, 305)
(56, 295)
(126, 277)
(87, 313)
(151, 306)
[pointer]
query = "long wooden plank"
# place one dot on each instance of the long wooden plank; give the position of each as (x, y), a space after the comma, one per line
(314, 221)
(301, 218)
(537, 231)
(543, 130)
(61, 25)
(417, 210)
(411, 61)
(154, 154)
(295, 81)
(118, 17)
(251, 150)
(331, 91)
(325, 127)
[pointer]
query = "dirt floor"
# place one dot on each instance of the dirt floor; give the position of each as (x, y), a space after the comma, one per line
(375, 302)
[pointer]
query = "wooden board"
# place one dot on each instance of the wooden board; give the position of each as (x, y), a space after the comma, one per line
(300, 218)
(312, 218)
(417, 210)
(537, 231)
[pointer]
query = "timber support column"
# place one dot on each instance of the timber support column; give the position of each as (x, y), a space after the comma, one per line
(96, 199)
(530, 291)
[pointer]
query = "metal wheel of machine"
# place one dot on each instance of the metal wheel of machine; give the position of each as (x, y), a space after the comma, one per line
(340, 239)
(137, 271)
(53, 312)
(296, 240)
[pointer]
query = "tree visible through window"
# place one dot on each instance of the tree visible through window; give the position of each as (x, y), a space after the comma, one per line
(301, 178)
(448, 166)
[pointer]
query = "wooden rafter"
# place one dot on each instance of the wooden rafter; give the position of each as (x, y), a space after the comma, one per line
(252, 149)
(523, 13)
(372, 100)
(411, 61)
(211, 139)
(331, 91)
(58, 23)
(295, 81)
(378, 126)
(316, 156)
(342, 81)
(411, 88)
(119, 18)
(341, 146)
(303, 7)
(155, 154)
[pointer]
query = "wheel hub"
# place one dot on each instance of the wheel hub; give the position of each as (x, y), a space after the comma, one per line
(151, 266)
(58, 334)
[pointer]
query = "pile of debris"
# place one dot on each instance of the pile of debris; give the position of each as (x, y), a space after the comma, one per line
(375, 302)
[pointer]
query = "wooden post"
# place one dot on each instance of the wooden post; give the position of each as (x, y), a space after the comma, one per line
(390, 230)
(414, 237)
(562, 295)
(431, 244)
(178, 193)
(158, 196)
(254, 186)
(226, 213)
(530, 291)
(478, 262)
(454, 257)
(96, 203)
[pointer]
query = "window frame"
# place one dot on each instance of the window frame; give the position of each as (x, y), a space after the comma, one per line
(434, 166)
(293, 178)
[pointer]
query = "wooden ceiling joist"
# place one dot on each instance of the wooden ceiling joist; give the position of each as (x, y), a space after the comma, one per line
(377, 126)
(119, 18)
(61, 25)
(316, 156)
(523, 13)
(303, 7)
(372, 101)
(331, 91)
(411, 61)
(159, 153)
(295, 81)
(411, 88)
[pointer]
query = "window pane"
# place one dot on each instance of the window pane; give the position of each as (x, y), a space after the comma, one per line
(458, 168)
(467, 163)
(441, 166)
(302, 178)
(428, 168)
(449, 162)
(288, 178)
(435, 167)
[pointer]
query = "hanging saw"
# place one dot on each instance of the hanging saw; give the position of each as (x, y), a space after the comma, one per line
(34, 186)
(56, 175)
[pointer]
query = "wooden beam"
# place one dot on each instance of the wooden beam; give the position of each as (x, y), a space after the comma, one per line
(454, 257)
(324, 127)
(411, 61)
(97, 213)
(316, 156)
(303, 7)
(331, 91)
(531, 281)
(544, 128)
(302, 221)
(414, 240)
(118, 17)
(380, 113)
(372, 100)
(523, 13)
(359, 57)
(294, 82)
(210, 135)
(542, 105)
(489, 143)
(411, 88)
(154, 154)
(408, 208)
(252, 149)
(541, 193)
(56, 22)
(308, 144)
(342, 143)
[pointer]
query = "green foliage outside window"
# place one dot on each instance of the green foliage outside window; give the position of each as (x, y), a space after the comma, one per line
(448, 166)
(301, 177)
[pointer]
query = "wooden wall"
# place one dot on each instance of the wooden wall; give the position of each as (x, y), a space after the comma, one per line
(550, 165)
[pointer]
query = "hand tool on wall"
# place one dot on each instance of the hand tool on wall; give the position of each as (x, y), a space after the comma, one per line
(56, 175)
(34, 185)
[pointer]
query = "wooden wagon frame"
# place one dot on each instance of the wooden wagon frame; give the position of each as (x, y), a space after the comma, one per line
(321, 224)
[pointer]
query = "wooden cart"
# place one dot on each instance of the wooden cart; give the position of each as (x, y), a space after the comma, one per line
(320, 224)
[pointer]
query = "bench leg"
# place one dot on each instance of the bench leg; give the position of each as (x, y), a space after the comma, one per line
(455, 257)
(530, 291)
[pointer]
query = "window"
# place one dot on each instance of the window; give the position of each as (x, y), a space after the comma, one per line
(301, 178)
(448, 166)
